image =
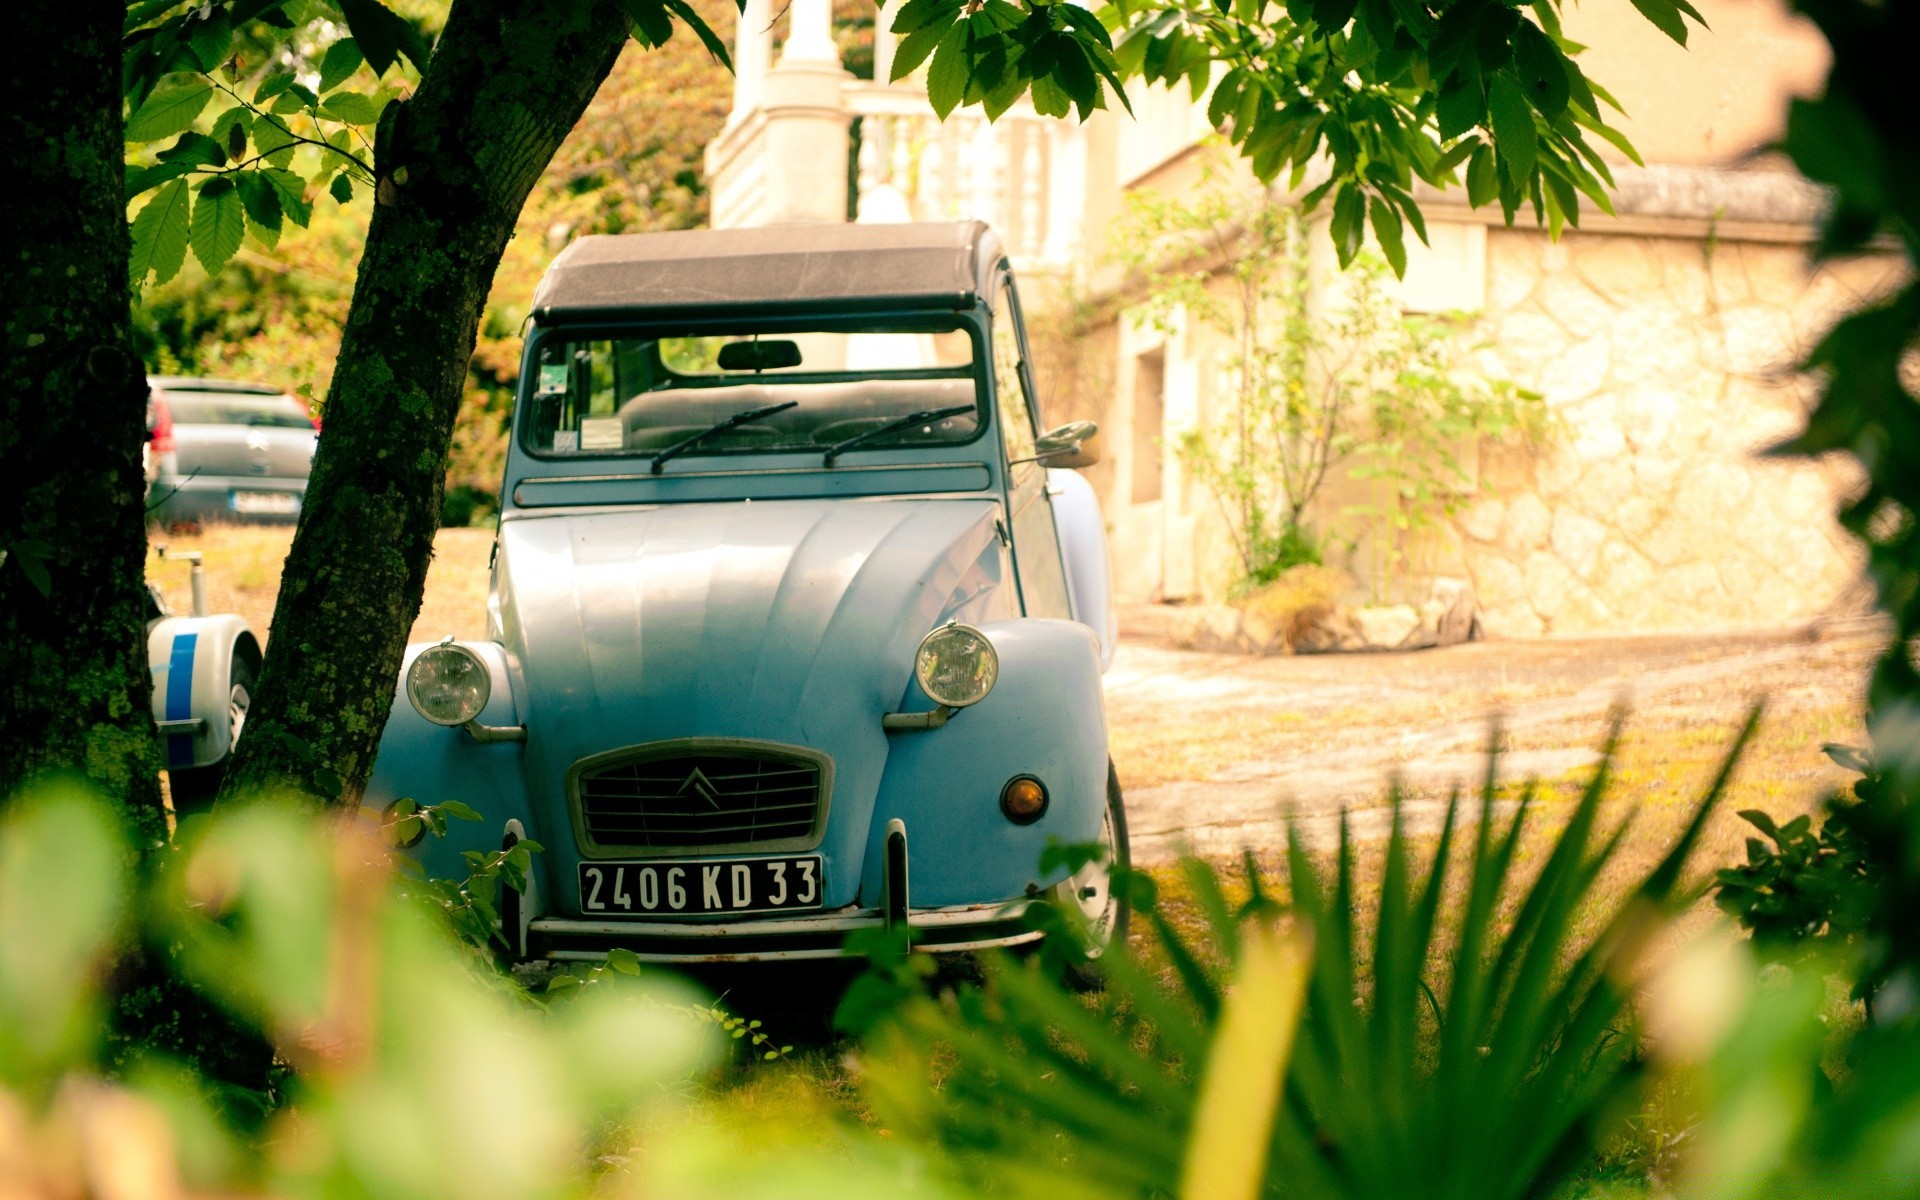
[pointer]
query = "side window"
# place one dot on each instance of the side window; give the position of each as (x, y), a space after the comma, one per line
(1016, 418)
(1036, 545)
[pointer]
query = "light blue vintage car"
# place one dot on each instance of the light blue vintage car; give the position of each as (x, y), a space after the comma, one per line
(796, 623)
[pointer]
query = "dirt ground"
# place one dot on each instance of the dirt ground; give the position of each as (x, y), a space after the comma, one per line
(1216, 751)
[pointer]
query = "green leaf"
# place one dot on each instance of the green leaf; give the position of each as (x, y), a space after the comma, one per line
(913, 50)
(160, 233)
(297, 98)
(382, 35)
(1482, 184)
(272, 141)
(1513, 133)
(169, 110)
(1386, 230)
(262, 202)
(140, 179)
(1541, 69)
(351, 107)
(947, 77)
(272, 86)
(341, 60)
(195, 150)
(219, 223)
(292, 191)
(209, 36)
(1665, 15)
(708, 38)
(1454, 157)
(230, 129)
(1349, 222)
(1460, 105)
(652, 26)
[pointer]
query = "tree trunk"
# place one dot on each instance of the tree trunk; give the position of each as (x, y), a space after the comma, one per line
(507, 81)
(74, 685)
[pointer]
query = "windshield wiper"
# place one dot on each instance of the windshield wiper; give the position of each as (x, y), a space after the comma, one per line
(898, 423)
(740, 418)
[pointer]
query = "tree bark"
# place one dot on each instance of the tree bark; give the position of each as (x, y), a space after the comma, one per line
(507, 81)
(74, 685)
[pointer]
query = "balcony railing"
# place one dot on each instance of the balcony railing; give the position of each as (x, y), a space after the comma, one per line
(1024, 174)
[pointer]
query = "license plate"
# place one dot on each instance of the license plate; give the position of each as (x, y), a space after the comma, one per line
(684, 888)
(266, 502)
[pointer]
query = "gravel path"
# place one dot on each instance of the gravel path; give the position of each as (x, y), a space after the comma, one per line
(1225, 747)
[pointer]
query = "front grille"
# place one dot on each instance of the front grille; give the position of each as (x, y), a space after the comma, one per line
(698, 799)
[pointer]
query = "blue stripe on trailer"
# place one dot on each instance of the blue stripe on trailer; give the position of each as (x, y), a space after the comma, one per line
(180, 697)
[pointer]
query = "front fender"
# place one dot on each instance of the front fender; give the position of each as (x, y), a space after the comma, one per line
(192, 663)
(1083, 547)
(1046, 718)
(428, 763)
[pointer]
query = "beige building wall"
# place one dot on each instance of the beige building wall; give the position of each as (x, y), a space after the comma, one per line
(1662, 340)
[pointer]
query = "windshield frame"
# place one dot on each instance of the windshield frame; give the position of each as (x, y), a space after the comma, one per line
(745, 325)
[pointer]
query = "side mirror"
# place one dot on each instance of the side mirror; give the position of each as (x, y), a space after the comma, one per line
(759, 355)
(1063, 445)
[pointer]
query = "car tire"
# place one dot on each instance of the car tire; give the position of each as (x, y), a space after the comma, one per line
(193, 788)
(1106, 911)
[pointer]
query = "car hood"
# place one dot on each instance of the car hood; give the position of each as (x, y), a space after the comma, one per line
(786, 621)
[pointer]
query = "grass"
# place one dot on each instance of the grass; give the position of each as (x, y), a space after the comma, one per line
(242, 565)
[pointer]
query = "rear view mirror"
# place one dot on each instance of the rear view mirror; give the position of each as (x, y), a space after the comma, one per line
(1064, 445)
(759, 356)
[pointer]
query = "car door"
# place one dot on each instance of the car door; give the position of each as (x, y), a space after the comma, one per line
(1036, 546)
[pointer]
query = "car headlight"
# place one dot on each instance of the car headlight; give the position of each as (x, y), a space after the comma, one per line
(449, 684)
(956, 665)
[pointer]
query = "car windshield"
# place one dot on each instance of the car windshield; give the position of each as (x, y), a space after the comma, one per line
(704, 394)
(236, 408)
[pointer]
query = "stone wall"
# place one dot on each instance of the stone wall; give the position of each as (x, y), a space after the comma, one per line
(1666, 362)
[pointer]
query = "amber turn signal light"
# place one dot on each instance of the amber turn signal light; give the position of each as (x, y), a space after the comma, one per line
(1023, 800)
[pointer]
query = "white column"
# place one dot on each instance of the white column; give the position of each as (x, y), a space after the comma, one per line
(810, 33)
(752, 55)
(1066, 189)
(885, 43)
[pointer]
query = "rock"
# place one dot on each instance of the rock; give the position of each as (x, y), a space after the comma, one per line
(1453, 608)
(1329, 632)
(1386, 626)
(1577, 540)
(1528, 523)
(1214, 628)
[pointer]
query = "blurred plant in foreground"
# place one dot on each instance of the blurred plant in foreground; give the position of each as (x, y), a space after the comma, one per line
(1465, 1039)
(415, 1071)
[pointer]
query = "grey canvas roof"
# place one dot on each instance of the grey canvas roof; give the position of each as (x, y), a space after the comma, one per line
(839, 267)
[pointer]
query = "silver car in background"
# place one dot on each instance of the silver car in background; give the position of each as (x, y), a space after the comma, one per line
(226, 452)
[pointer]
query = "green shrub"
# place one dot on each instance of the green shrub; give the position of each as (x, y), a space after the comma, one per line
(1477, 1049)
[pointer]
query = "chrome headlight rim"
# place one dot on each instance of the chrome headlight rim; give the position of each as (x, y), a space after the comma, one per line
(923, 665)
(415, 682)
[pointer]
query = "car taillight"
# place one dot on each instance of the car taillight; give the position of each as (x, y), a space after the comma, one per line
(161, 434)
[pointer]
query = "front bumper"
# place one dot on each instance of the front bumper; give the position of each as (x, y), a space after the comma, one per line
(779, 939)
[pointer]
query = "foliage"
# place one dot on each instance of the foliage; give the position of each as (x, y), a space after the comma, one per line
(1464, 1038)
(465, 904)
(239, 118)
(1859, 138)
(633, 163)
(1306, 395)
(1812, 889)
(746, 1034)
(264, 104)
(413, 1074)
(1383, 92)
(1426, 419)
